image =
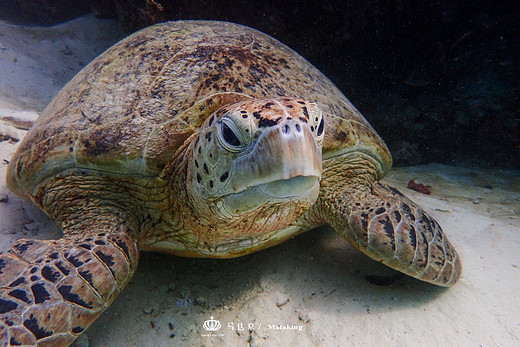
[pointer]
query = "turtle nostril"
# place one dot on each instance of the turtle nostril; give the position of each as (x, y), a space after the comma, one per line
(286, 129)
(298, 128)
(320, 128)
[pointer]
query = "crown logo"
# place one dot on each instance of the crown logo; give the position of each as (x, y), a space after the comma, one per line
(211, 324)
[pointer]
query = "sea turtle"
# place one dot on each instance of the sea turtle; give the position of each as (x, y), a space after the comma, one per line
(200, 139)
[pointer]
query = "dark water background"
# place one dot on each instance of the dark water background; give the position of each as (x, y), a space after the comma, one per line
(439, 80)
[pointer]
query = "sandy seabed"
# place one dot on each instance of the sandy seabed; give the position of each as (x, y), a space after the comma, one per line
(313, 290)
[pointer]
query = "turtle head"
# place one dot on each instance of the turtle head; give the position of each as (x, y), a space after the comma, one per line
(257, 160)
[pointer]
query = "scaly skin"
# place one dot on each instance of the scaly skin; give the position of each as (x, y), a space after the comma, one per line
(208, 180)
(382, 222)
(51, 291)
(203, 139)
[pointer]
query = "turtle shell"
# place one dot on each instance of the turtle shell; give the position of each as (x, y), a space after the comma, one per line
(131, 108)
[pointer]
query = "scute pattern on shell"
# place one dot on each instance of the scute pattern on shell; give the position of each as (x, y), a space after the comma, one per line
(164, 81)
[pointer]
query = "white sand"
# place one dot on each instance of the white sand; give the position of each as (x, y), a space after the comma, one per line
(315, 284)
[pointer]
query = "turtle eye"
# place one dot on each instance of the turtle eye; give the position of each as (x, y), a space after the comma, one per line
(229, 136)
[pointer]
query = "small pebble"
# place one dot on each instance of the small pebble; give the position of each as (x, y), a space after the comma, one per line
(304, 317)
(282, 301)
(187, 302)
(419, 187)
(148, 310)
(201, 300)
(4, 197)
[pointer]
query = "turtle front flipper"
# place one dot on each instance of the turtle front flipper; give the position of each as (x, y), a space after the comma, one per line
(52, 290)
(390, 228)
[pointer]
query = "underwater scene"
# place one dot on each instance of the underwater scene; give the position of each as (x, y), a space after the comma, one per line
(259, 173)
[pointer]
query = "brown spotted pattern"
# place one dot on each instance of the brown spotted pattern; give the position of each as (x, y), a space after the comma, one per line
(211, 164)
(51, 291)
(384, 224)
(163, 82)
(393, 229)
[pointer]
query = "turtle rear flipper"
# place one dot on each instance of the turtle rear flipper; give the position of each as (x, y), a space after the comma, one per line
(390, 228)
(52, 290)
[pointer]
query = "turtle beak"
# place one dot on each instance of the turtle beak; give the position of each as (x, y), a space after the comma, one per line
(286, 162)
